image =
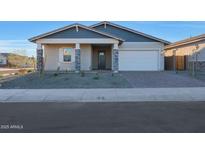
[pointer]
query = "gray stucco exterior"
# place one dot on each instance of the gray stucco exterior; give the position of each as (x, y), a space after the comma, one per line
(72, 33)
(126, 35)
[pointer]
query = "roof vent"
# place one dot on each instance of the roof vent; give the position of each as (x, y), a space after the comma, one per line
(105, 24)
(76, 28)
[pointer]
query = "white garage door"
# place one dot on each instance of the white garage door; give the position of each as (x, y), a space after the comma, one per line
(138, 60)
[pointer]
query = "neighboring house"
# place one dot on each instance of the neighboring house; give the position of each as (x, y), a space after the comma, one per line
(103, 46)
(181, 55)
(3, 59)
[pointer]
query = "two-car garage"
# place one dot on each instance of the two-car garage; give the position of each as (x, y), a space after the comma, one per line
(139, 60)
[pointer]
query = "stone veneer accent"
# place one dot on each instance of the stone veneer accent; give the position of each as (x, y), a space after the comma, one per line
(115, 60)
(39, 60)
(77, 60)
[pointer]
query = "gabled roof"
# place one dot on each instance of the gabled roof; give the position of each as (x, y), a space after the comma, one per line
(33, 39)
(130, 30)
(194, 39)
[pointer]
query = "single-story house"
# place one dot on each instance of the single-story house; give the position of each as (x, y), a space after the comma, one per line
(182, 54)
(103, 46)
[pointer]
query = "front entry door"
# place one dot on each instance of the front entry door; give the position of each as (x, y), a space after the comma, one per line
(101, 59)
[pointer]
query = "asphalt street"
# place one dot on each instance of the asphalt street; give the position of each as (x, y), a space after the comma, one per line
(131, 117)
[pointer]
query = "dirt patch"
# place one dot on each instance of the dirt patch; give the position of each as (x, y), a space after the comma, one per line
(67, 80)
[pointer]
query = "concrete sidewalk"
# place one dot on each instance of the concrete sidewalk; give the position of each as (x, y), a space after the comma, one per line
(102, 95)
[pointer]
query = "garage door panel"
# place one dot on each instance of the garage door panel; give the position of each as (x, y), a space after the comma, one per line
(138, 60)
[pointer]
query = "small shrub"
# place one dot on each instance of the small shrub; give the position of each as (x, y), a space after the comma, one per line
(58, 68)
(57, 71)
(82, 73)
(29, 71)
(96, 77)
(66, 79)
(55, 74)
(42, 74)
(22, 71)
(16, 73)
(113, 74)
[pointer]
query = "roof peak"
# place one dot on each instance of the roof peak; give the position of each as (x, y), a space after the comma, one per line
(33, 39)
(130, 30)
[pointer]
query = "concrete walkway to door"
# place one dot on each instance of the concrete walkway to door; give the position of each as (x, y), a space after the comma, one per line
(102, 95)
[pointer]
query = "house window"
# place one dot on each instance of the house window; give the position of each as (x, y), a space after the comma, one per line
(67, 54)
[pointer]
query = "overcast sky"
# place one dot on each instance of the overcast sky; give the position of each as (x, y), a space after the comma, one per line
(14, 35)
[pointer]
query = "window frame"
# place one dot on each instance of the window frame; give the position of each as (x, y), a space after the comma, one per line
(71, 50)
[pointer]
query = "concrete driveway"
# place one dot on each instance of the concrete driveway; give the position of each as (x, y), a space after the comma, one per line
(152, 79)
(103, 117)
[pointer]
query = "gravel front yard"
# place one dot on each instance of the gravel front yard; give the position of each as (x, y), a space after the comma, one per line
(67, 80)
(104, 80)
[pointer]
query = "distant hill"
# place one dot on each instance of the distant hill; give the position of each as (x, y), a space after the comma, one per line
(19, 61)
